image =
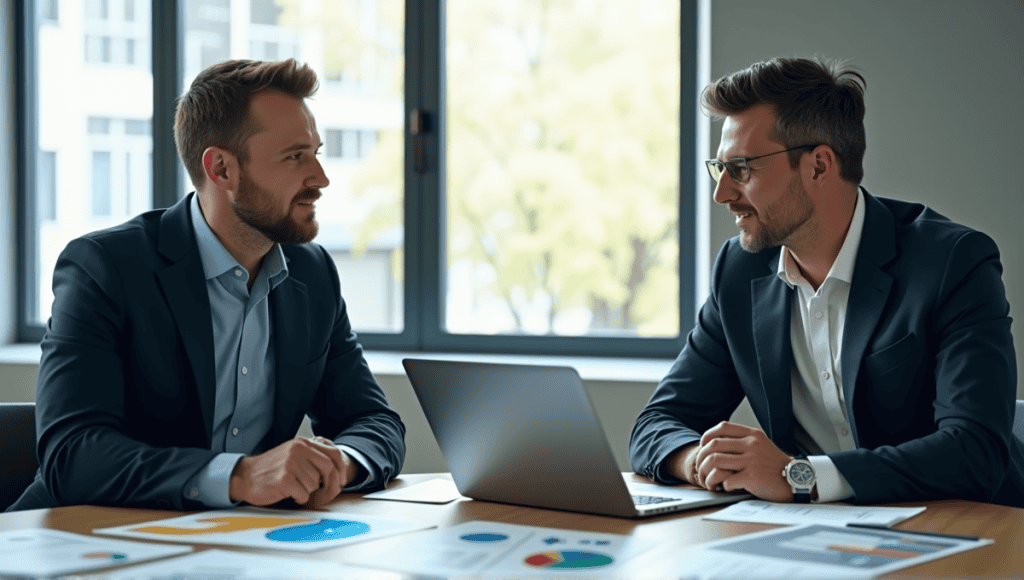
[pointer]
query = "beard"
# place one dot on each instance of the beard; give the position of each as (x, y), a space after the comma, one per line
(255, 207)
(778, 221)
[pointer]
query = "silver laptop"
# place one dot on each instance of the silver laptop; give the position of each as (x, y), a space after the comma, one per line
(528, 435)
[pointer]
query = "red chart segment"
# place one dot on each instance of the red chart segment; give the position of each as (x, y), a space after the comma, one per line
(568, 559)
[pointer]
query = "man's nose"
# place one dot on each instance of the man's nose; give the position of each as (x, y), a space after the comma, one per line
(725, 190)
(319, 177)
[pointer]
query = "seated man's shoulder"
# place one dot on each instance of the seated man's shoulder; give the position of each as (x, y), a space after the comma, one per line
(921, 226)
(134, 237)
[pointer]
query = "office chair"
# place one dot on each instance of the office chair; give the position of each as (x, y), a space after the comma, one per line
(17, 450)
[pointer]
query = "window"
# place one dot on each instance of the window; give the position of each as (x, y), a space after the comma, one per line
(532, 155)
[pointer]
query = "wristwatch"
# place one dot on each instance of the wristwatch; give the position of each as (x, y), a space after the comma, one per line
(800, 475)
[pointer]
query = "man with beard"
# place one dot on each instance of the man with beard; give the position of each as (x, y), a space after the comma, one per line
(186, 345)
(870, 336)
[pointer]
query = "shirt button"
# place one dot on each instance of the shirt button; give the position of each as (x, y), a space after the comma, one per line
(845, 432)
(193, 493)
(238, 272)
(817, 315)
(245, 370)
(824, 375)
(234, 431)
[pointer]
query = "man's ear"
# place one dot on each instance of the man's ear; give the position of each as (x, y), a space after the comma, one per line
(824, 165)
(221, 168)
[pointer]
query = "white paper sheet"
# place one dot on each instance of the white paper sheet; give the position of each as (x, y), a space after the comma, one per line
(42, 553)
(492, 549)
(224, 565)
(432, 491)
(763, 512)
(815, 551)
(299, 531)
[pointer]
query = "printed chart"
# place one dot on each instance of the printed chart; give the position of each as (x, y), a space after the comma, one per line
(498, 549)
(277, 530)
(224, 565)
(818, 551)
(41, 553)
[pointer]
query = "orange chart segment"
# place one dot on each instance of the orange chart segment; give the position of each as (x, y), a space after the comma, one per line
(223, 524)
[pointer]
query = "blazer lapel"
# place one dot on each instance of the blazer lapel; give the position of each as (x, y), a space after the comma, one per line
(868, 293)
(771, 303)
(184, 287)
(290, 316)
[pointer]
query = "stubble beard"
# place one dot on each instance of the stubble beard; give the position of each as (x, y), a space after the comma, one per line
(778, 221)
(255, 207)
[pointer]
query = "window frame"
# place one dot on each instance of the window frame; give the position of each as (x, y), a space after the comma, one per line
(423, 194)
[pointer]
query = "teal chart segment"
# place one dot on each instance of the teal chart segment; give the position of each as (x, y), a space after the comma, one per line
(322, 531)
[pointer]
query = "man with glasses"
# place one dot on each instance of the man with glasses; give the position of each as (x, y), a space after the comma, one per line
(870, 336)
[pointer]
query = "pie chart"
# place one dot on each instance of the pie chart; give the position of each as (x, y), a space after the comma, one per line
(568, 559)
(322, 531)
(484, 538)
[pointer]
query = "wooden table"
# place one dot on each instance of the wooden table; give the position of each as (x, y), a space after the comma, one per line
(671, 534)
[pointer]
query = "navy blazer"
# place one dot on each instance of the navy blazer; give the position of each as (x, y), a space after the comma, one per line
(928, 364)
(124, 403)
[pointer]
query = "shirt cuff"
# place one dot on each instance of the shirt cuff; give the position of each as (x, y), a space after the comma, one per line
(371, 470)
(831, 484)
(212, 485)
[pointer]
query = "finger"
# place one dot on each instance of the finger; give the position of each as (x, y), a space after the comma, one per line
(320, 457)
(726, 429)
(716, 478)
(724, 445)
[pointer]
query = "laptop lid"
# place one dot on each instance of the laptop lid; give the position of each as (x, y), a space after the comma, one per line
(528, 435)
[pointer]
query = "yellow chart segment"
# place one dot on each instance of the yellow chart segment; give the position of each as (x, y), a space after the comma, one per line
(223, 524)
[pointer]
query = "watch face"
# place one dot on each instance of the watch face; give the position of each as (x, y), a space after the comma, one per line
(801, 474)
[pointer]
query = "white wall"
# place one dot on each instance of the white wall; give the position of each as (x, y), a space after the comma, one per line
(945, 80)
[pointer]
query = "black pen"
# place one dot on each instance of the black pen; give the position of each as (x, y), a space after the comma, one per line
(911, 532)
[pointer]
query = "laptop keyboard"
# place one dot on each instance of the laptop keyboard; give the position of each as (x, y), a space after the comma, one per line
(650, 499)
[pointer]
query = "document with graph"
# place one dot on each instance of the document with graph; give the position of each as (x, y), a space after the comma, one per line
(817, 551)
(298, 531)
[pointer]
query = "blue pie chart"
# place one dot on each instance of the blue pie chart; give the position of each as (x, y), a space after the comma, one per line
(483, 538)
(322, 531)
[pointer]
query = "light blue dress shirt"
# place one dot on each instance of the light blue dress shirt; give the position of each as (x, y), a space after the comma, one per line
(243, 359)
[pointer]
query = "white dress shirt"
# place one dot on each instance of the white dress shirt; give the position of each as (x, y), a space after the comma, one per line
(816, 333)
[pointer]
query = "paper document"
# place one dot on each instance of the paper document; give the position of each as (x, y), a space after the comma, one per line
(299, 531)
(763, 512)
(498, 550)
(41, 553)
(816, 551)
(224, 565)
(432, 491)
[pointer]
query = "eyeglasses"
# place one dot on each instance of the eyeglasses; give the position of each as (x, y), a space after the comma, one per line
(738, 167)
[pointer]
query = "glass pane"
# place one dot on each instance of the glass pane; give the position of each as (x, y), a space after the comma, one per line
(93, 168)
(355, 47)
(563, 154)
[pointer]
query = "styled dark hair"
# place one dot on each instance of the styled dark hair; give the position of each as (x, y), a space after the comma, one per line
(214, 111)
(816, 103)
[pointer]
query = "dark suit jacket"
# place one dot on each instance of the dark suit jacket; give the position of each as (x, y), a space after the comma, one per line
(928, 365)
(124, 403)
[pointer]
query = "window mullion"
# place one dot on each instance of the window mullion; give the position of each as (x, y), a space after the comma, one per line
(167, 61)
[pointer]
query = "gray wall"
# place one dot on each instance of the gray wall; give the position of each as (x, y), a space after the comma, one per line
(945, 80)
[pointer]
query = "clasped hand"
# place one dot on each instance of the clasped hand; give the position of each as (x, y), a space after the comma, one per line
(736, 457)
(310, 471)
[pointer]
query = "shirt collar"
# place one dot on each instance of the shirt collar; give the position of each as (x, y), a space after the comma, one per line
(217, 260)
(842, 268)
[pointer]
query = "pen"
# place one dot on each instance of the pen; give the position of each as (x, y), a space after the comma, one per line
(912, 532)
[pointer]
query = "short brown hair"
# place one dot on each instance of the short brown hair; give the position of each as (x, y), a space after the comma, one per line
(214, 111)
(816, 103)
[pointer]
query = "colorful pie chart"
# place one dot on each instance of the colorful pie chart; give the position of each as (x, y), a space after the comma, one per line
(568, 559)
